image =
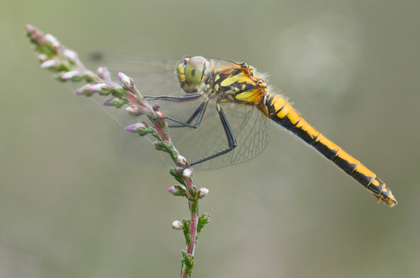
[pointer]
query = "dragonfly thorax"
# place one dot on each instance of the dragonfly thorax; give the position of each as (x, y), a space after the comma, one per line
(240, 84)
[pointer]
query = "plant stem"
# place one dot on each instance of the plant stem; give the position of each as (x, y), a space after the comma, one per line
(68, 67)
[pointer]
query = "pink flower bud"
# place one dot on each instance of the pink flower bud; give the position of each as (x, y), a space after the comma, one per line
(187, 173)
(202, 192)
(181, 161)
(177, 225)
(52, 63)
(30, 28)
(172, 189)
(134, 110)
(82, 90)
(70, 54)
(42, 57)
(97, 88)
(177, 190)
(110, 101)
(50, 38)
(70, 74)
(135, 127)
(101, 71)
(55, 44)
(125, 79)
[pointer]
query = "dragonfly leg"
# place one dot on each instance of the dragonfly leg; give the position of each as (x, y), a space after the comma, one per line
(229, 135)
(198, 112)
(175, 98)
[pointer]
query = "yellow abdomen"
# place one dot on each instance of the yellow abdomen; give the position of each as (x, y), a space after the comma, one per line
(282, 112)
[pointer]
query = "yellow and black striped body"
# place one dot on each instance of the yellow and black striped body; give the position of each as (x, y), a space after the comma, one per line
(280, 111)
(238, 83)
(242, 85)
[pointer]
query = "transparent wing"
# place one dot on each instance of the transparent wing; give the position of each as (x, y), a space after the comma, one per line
(250, 128)
(155, 77)
(219, 64)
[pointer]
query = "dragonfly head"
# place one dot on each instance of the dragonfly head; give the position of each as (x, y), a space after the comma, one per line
(193, 73)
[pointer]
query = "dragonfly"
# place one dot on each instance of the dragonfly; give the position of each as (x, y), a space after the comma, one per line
(228, 107)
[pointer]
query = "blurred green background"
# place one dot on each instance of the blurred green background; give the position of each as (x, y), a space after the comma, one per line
(71, 205)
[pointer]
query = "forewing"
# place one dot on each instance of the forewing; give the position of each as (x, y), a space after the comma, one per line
(249, 126)
(153, 76)
(156, 77)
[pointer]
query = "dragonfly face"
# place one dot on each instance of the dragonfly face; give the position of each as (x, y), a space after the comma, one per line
(193, 73)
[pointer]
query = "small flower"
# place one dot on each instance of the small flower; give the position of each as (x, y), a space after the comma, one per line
(52, 63)
(187, 173)
(42, 57)
(50, 38)
(134, 110)
(100, 71)
(70, 54)
(111, 101)
(125, 79)
(35, 35)
(29, 28)
(181, 161)
(202, 192)
(83, 90)
(71, 74)
(177, 225)
(104, 73)
(55, 44)
(97, 88)
(177, 190)
(136, 127)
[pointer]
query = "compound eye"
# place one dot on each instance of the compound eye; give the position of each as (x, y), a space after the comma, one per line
(195, 70)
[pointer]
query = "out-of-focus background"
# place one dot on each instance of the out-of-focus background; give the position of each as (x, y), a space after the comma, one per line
(72, 205)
